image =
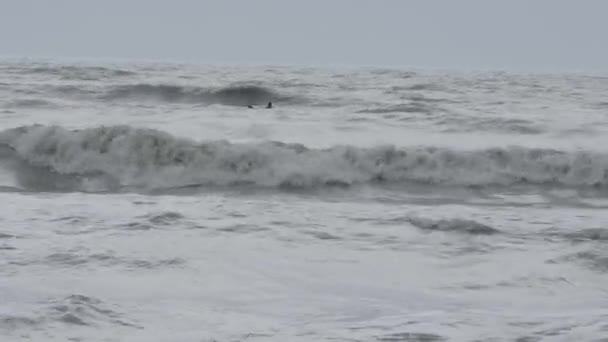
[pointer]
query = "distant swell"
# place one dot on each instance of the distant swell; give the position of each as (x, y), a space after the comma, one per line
(76, 72)
(116, 157)
(31, 103)
(235, 95)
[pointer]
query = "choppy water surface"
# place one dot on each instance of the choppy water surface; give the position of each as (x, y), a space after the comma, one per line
(146, 202)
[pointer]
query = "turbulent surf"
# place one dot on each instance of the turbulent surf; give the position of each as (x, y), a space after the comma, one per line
(146, 202)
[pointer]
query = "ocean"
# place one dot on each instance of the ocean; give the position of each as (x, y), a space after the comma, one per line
(146, 202)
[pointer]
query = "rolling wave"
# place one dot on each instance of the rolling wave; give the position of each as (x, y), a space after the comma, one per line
(115, 157)
(234, 95)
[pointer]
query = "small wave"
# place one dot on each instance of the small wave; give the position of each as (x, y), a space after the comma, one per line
(453, 225)
(401, 108)
(593, 234)
(394, 72)
(166, 218)
(10, 322)
(414, 97)
(31, 103)
(596, 260)
(502, 125)
(411, 337)
(240, 95)
(296, 83)
(123, 157)
(75, 310)
(466, 124)
(76, 259)
(243, 95)
(417, 87)
(85, 311)
(73, 91)
(74, 72)
(602, 105)
(322, 235)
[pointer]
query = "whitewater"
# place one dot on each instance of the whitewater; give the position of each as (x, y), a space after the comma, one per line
(145, 202)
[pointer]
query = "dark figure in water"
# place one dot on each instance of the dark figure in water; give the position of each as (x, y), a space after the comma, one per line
(250, 106)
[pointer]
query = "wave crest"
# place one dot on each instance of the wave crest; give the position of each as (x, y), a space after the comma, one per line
(144, 158)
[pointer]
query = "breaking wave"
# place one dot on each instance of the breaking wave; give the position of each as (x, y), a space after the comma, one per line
(126, 158)
(241, 95)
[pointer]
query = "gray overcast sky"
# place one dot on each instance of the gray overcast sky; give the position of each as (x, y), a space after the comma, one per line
(496, 34)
